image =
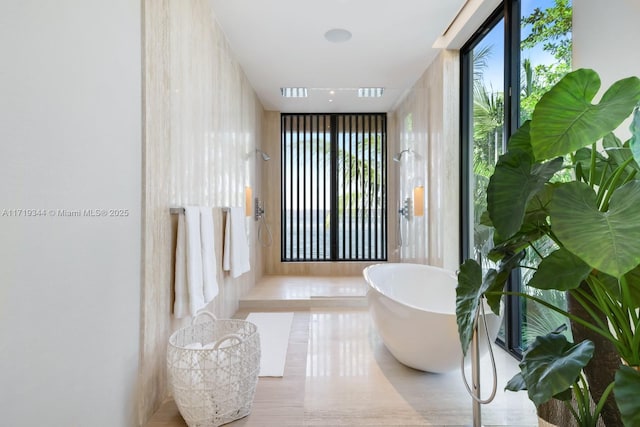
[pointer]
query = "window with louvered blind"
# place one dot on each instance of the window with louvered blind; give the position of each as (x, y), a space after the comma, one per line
(334, 192)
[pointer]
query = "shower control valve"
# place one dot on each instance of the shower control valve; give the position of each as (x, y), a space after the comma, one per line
(407, 208)
(259, 210)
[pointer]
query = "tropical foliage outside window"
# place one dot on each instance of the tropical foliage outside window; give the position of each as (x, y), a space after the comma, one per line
(545, 56)
(549, 29)
(334, 187)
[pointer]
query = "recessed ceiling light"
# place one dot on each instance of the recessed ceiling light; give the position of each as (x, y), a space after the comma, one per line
(337, 35)
(370, 92)
(332, 92)
(294, 92)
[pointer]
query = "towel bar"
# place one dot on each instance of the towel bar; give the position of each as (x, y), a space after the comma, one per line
(179, 211)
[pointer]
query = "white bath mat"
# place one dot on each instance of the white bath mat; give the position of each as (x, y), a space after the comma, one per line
(274, 330)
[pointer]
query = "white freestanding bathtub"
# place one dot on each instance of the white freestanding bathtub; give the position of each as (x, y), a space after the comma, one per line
(413, 308)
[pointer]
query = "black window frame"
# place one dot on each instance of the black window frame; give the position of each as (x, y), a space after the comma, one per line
(334, 252)
(510, 11)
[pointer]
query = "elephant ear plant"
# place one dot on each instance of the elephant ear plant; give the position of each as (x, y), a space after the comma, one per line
(593, 219)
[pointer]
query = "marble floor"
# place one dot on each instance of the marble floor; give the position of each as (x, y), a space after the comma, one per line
(338, 373)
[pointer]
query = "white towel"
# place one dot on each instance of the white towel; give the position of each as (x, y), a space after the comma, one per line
(181, 303)
(209, 270)
(236, 247)
(188, 280)
(194, 259)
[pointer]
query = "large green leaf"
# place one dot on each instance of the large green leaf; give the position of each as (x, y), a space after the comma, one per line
(633, 283)
(613, 286)
(538, 207)
(513, 184)
(607, 241)
(565, 120)
(494, 290)
(618, 153)
(552, 365)
(610, 284)
(485, 219)
(627, 393)
(517, 243)
(469, 292)
(516, 383)
(521, 140)
(603, 165)
(634, 143)
(560, 270)
(534, 226)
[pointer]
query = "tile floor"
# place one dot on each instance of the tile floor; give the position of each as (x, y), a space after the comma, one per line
(338, 372)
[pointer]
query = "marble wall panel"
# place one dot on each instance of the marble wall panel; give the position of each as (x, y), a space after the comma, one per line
(203, 122)
(427, 124)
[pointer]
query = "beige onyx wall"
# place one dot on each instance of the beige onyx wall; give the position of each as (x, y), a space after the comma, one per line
(202, 123)
(428, 124)
(272, 201)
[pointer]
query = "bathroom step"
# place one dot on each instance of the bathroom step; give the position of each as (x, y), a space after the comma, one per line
(305, 292)
(303, 303)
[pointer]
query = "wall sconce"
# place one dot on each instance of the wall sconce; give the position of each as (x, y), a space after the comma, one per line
(418, 201)
(248, 196)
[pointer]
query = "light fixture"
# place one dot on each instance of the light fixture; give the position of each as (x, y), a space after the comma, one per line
(418, 201)
(370, 92)
(247, 201)
(337, 35)
(294, 92)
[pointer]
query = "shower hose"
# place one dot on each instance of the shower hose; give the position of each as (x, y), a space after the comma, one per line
(262, 225)
(493, 363)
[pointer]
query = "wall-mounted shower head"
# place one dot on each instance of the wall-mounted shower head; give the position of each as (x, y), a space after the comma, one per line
(398, 156)
(264, 155)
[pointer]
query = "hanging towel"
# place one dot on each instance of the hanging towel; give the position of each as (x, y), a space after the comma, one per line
(236, 248)
(188, 280)
(181, 303)
(209, 270)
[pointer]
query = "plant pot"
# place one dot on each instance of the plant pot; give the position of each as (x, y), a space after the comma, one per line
(544, 423)
(554, 413)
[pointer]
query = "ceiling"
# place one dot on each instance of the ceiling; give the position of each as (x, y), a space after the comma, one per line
(281, 43)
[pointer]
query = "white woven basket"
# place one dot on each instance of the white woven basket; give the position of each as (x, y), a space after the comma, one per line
(216, 384)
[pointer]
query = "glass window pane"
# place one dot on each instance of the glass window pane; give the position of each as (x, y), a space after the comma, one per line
(334, 187)
(487, 135)
(545, 58)
(487, 132)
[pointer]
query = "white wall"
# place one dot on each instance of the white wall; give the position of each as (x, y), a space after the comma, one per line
(605, 38)
(70, 138)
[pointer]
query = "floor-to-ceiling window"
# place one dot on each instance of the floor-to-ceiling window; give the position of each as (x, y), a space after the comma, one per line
(518, 53)
(334, 199)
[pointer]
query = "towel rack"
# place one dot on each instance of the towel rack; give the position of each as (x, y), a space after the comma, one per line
(180, 211)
